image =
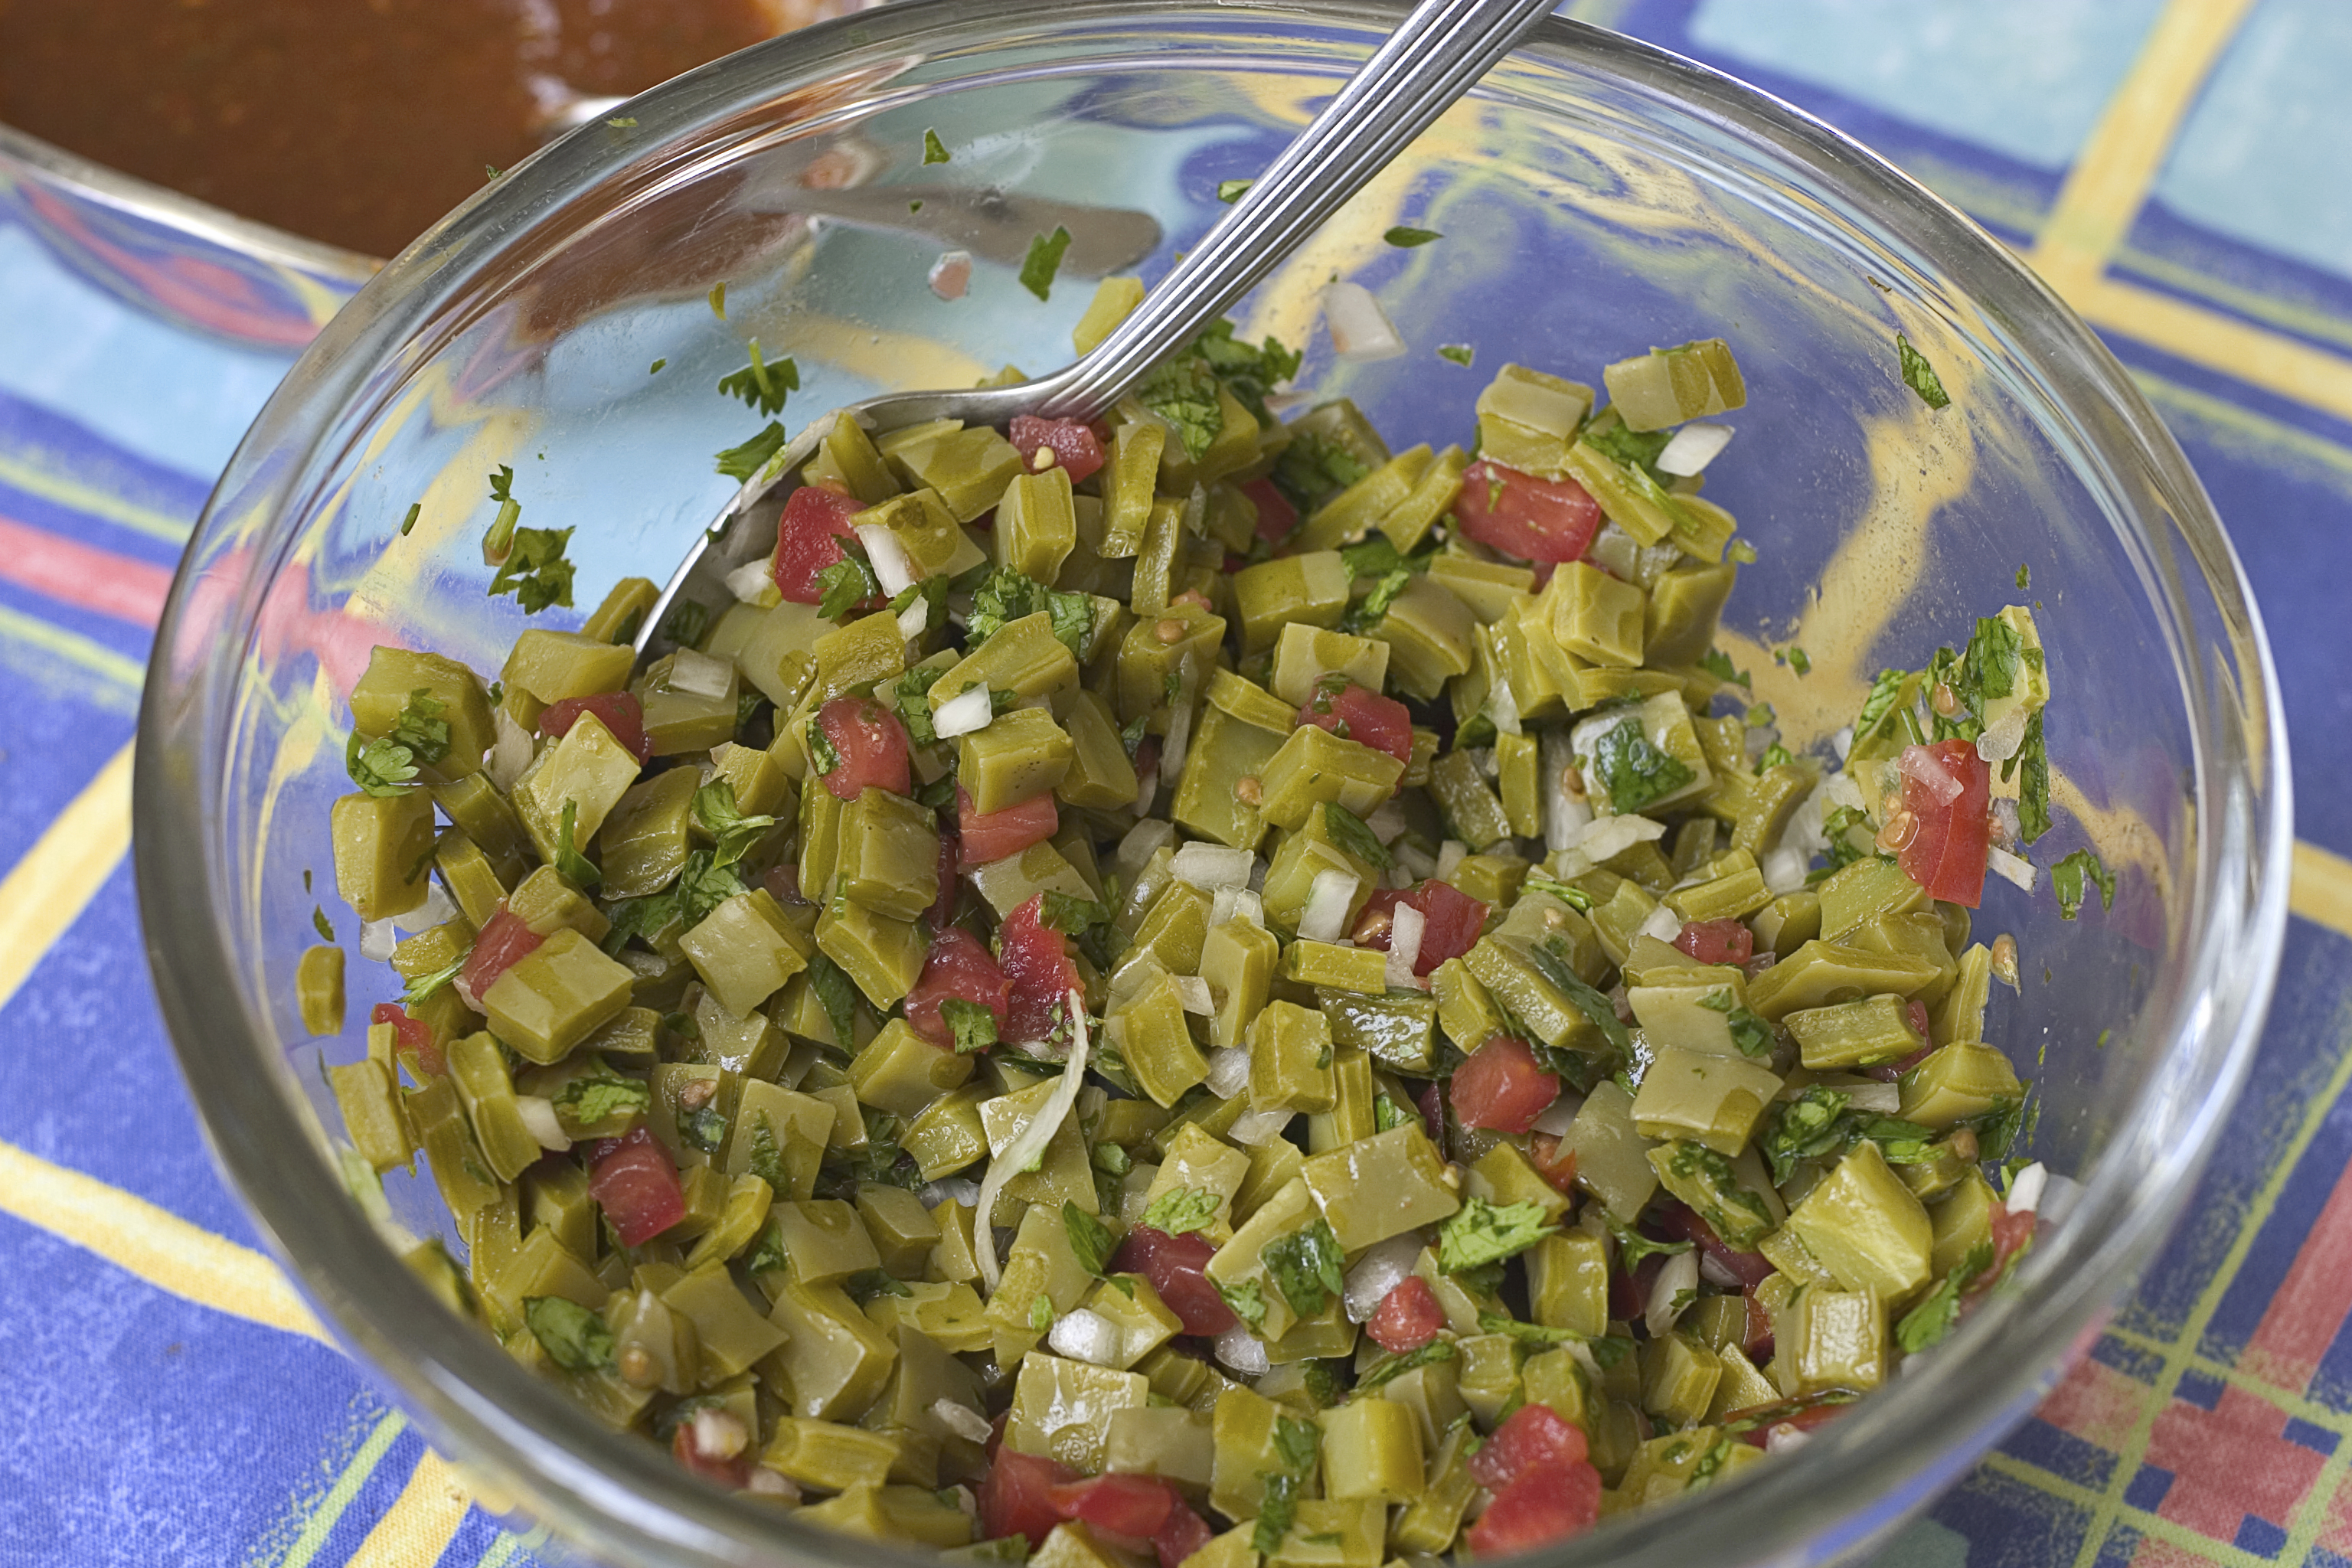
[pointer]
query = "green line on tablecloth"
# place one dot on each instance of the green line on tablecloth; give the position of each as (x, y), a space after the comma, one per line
(96, 658)
(17, 470)
(501, 1551)
(330, 1511)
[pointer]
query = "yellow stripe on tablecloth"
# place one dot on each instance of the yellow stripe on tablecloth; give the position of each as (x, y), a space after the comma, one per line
(416, 1529)
(323, 1519)
(19, 470)
(2321, 891)
(2108, 183)
(45, 891)
(154, 1244)
(99, 660)
(2271, 360)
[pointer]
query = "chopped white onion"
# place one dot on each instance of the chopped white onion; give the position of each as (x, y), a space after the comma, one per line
(1086, 1336)
(1920, 764)
(963, 714)
(1142, 842)
(773, 1483)
(1680, 1274)
(914, 620)
(1565, 814)
(2009, 867)
(1210, 867)
(2003, 738)
(510, 754)
(1884, 1098)
(1028, 1149)
(2006, 826)
(1693, 446)
(1407, 927)
(1568, 865)
(1193, 992)
(699, 674)
(1228, 1071)
(718, 1434)
(438, 909)
(1843, 789)
(754, 583)
(1255, 1129)
(1227, 905)
(1663, 923)
(1360, 331)
(1787, 1436)
(893, 567)
(1483, 759)
(1384, 1265)
(1178, 741)
(962, 1420)
(1842, 743)
(1326, 914)
(2024, 1195)
(377, 938)
(1243, 1351)
(1785, 870)
(1610, 836)
(2058, 1199)
(1450, 855)
(1717, 1273)
(1387, 821)
(539, 1121)
(1415, 863)
(1147, 789)
(950, 275)
(1559, 1116)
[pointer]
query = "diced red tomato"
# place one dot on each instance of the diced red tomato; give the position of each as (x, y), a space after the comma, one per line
(1408, 1317)
(2012, 1232)
(634, 1182)
(872, 746)
(1432, 1103)
(733, 1473)
(1184, 1533)
(1545, 1504)
(1132, 1506)
(1718, 942)
(1176, 1266)
(618, 712)
(1074, 444)
(1947, 795)
(1751, 1269)
(1016, 1496)
(1628, 1289)
(1535, 1437)
(782, 881)
(1037, 959)
(1451, 921)
(1521, 515)
(1275, 516)
(956, 969)
(1553, 1161)
(1383, 723)
(411, 1034)
(992, 836)
(503, 943)
(808, 538)
(1915, 1014)
(1502, 1086)
(943, 908)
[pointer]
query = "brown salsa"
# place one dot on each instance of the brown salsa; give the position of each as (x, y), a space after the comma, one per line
(358, 122)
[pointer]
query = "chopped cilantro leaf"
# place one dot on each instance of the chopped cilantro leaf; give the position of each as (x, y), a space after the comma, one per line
(1389, 1368)
(600, 1097)
(1069, 914)
(1350, 835)
(424, 985)
(574, 867)
(2033, 790)
(972, 1024)
(574, 1337)
(1231, 191)
(1044, 259)
(837, 995)
(535, 571)
(1006, 595)
(762, 385)
(1278, 1510)
(2068, 880)
(1091, 1242)
(1247, 1302)
(1305, 1267)
(731, 831)
(408, 524)
(1919, 376)
(744, 462)
(1181, 1210)
(319, 923)
(1750, 1032)
(1934, 1317)
(1480, 1233)
(1405, 238)
(421, 727)
(380, 767)
(1634, 771)
(934, 149)
(845, 584)
(1460, 354)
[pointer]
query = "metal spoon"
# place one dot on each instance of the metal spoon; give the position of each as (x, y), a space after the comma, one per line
(1441, 49)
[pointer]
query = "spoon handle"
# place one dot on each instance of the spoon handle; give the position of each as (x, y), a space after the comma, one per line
(1439, 52)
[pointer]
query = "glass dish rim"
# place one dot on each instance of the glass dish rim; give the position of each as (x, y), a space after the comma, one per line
(626, 1499)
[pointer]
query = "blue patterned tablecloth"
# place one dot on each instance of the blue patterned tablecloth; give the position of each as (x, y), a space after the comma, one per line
(2181, 170)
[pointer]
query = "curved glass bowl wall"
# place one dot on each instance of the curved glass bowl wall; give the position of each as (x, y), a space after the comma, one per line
(1596, 198)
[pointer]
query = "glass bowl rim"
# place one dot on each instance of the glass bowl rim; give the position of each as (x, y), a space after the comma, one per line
(622, 1496)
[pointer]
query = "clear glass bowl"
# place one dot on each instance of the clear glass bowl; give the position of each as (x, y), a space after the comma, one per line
(1596, 198)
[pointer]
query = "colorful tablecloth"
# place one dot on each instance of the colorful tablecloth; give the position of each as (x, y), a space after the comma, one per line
(2180, 170)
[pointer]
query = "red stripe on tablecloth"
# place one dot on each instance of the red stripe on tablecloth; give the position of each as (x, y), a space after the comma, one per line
(2304, 1318)
(82, 575)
